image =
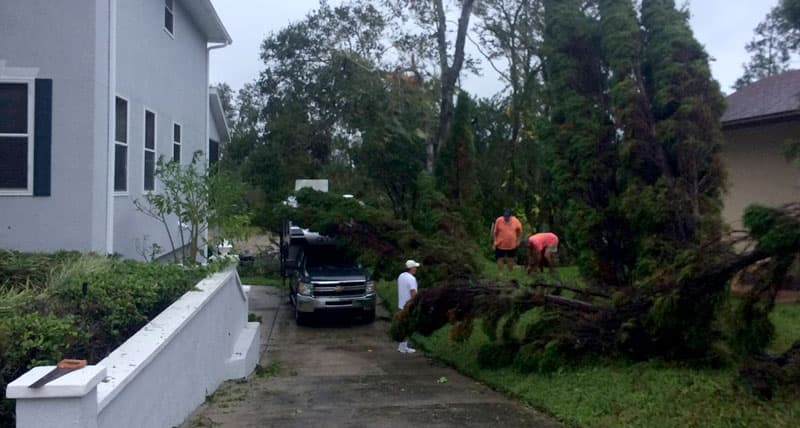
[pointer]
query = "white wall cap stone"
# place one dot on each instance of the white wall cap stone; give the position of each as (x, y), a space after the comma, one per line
(76, 383)
(140, 349)
(238, 281)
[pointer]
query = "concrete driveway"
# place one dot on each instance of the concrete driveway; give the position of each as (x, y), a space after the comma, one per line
(340, 373)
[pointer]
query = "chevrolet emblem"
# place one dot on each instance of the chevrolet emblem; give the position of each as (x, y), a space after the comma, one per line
(339, 288)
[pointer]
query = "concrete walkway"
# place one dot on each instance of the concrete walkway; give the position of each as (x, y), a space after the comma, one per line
(339, 373)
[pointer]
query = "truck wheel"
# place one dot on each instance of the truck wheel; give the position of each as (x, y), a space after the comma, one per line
(368, 317)
(300, 318)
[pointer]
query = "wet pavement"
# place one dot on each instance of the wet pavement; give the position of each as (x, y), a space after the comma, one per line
(339, 372)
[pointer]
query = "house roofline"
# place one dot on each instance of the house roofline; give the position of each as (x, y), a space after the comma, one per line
(219, 114)
(207, 19)
(763, 119)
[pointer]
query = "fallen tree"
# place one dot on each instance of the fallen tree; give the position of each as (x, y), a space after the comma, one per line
(383, 242)
(676, 314)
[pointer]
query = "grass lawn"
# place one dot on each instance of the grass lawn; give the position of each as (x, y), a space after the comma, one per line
(567, 274)
(786, 318)
(620, 394)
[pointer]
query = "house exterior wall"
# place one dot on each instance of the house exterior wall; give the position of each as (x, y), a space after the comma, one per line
(33, 34)
(168, 76)
(757, 170)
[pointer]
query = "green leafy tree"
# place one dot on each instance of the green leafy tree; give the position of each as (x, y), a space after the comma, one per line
(431, 18)
(769, 50)
(492, 130)
(295, 118)
(510, 35)
(227, 98)
(392, 151)
(329, 105)
(191, 198)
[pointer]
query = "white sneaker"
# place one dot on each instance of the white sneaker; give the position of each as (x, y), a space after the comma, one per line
(403, 348)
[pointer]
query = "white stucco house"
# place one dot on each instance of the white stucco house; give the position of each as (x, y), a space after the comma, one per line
(92, 92)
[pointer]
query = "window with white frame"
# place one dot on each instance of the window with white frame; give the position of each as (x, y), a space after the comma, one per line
(169, 16)
(176, 142)
(121, 146)
(16, 136)
(149, 150)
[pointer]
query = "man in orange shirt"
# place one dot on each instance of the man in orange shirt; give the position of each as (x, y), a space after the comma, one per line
(507, 235)
(541, 247)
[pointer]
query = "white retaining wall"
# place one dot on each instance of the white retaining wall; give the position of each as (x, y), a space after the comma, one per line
(161, 374)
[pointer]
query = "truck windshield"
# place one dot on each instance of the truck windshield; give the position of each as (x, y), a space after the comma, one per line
(327, 256)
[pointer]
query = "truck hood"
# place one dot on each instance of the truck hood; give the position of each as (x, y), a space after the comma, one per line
(338, 273)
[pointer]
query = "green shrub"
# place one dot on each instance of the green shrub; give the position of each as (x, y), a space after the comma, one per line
(68, 305)
(30, 340)
(30, 270)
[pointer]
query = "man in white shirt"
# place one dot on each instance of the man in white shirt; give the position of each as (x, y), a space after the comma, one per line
(406, 290)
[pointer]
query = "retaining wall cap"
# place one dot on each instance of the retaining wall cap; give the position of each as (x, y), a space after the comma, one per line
(139, 350)
(73, 384)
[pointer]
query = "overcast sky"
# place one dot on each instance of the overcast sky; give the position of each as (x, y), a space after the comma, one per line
(723, 26)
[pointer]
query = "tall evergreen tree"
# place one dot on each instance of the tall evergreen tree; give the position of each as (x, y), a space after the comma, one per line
(579, 138)
(456, 166)
(687, 106)
(642, 161)
(769, 51)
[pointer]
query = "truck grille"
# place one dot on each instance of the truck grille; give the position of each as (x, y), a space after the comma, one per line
(340, 290)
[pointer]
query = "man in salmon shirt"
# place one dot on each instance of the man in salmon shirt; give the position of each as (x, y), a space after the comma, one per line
(507, 235)
(541, 247)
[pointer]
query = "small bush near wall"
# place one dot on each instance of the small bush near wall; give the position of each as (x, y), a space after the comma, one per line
(69, 305)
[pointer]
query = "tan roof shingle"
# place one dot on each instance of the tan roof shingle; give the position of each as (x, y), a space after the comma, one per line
(772, 96)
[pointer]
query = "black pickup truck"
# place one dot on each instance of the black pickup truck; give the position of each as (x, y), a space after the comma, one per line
(323, 277)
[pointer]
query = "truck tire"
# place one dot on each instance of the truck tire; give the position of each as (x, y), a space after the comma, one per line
(368, 317)
(300, 318)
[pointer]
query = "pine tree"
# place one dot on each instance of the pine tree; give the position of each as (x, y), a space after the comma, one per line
(769, 51)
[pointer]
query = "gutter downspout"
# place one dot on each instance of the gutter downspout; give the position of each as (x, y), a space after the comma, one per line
(208, 112)
(112, 89)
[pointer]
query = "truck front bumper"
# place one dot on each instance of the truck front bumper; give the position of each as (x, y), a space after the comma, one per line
(312, 304)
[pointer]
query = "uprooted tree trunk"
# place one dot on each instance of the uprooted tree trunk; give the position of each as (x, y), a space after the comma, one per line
(675, 315)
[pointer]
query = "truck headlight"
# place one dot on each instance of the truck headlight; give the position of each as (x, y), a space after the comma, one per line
(370, 287)
(305, 288)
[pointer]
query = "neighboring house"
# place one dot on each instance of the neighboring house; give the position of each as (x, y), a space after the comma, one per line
(218, 133)
(760, 119)
(92, 92)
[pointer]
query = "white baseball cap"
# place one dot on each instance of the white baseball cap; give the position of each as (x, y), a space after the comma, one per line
(412, 264)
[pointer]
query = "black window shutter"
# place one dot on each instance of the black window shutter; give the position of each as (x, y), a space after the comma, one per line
(42, 137)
